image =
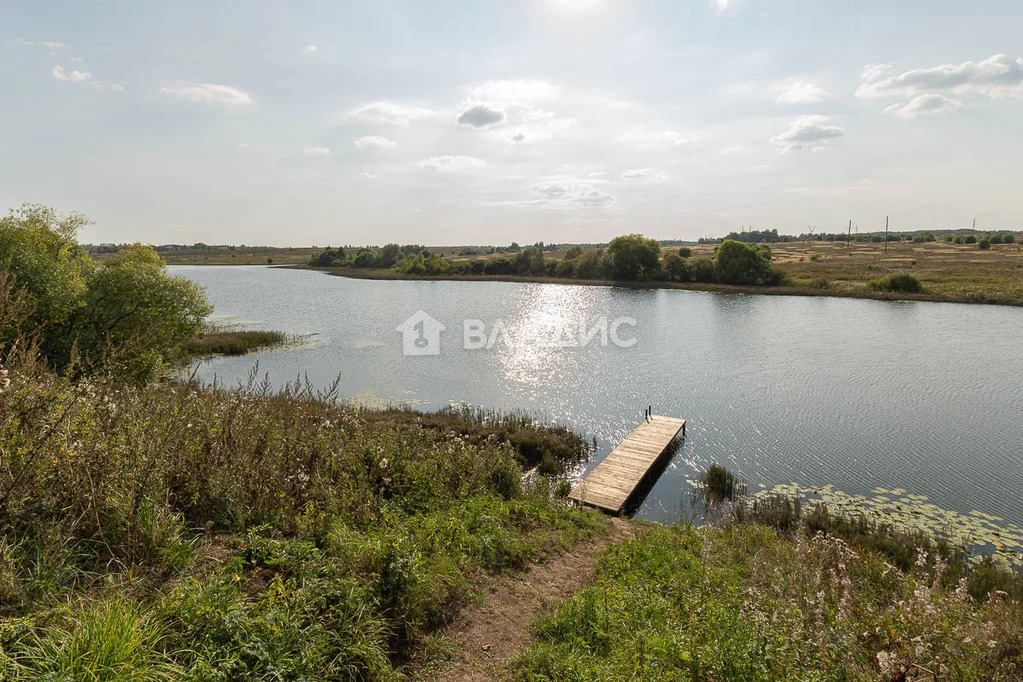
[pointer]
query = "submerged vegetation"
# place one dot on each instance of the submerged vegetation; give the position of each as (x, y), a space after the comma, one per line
(223, 341)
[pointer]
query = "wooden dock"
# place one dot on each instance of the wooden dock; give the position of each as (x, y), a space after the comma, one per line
(612, 482)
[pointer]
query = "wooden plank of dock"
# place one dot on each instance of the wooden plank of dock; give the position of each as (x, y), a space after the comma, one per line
(615, 479)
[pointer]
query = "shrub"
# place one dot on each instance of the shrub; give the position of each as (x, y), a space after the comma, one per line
(742, 263)
(969, 239)
(984, 244)
(903, 283)
(685, 252)
(995, 239)
(703, 270)
(1008, 238)
(820, 283)
(634, 256)
(676, 269)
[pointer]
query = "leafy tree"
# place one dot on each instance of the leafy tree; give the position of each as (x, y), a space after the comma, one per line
(741, 263)
(590, 265)
(969, 239)
(1008, 238)
(676, 268)
(126, 317)
(984, 244)
(530, 262)
(573, 252)
(389, 255)
(634, 256)
(135, 316)
(365, 258)
(704, 270)
(38, 247)
(685, 252)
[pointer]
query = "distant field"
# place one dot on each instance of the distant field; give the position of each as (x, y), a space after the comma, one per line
(944, 269)
(954, 271)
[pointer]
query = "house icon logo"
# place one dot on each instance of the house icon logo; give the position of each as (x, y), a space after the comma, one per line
(420, 335)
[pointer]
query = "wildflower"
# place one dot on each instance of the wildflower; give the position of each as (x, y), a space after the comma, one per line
(383, 463)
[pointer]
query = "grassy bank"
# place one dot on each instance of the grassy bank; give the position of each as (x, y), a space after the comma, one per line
(221, 341)
(974, 294)
(171, 532)
(748, 602)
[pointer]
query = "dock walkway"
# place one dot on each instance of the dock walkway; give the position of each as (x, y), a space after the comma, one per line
(612, 482)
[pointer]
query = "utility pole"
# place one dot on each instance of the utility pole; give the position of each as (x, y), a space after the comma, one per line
(886, 234)
(849, 236)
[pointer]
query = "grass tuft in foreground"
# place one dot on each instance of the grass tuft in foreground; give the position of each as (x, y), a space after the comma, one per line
(746, 602)
(170, 531)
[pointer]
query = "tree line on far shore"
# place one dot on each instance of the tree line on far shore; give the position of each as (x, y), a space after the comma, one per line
(630, 257)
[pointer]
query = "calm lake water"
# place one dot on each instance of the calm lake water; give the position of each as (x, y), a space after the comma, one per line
(859, 394)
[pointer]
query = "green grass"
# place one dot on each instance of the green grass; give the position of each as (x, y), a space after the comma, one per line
(174, 531)
(232, 342)
(745, 602)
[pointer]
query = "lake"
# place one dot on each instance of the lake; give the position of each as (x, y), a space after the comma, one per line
(922, 397)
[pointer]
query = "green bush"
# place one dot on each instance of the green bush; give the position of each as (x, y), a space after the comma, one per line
(903, 283)
(970, 239)
(125, 317)
(984, 244)
(742, 263)
(676, 269)
(633, 256)
(1008, 238)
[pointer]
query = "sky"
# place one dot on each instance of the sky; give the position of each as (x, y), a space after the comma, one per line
(442, 122)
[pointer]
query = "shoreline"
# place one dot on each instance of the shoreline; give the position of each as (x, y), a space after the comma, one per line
(359, 273)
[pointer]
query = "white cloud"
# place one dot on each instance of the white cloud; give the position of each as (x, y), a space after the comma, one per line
(117, 87)
(807, 132)
(721, 5)
(310, 150)
(209, 93)
(451, 164)
(735, 149)
(997, 76)
(594, 198)
(481, 116)
(373, 143)
(390, 113)
(21, 42)
(513, 92)
(59, 74)
(666, 138)
(370, 176)
(642, 175)
(563, 192)
(802, 93)
(310, 49)
(924, 104)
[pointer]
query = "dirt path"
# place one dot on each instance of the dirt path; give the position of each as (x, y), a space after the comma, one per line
(485, 637)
